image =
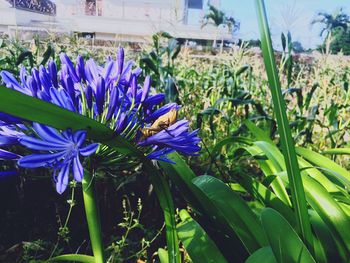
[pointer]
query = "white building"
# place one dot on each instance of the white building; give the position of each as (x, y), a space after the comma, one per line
(122, 20)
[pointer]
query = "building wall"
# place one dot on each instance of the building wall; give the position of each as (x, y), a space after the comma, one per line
(124, 20)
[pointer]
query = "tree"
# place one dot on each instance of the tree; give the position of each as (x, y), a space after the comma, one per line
(297, 47)
(340, 42)
(331, 22)
(336, 26)
(218, 18)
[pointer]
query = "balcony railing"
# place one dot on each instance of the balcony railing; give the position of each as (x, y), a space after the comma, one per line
(45, 7)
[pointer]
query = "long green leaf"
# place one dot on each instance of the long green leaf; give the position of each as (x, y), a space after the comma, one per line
(235, 210)
(73, 257)
(329, 210)
(329, 250)
(338, 151)
(263, 254)
(267, 197)
(322, 161)
(318, 197)
(223, 233)
(163, 255)
(197, 242)
(33, 109)
(296, 186)
(284, 241)
(162, 190)
(271, 166)
(182, 176)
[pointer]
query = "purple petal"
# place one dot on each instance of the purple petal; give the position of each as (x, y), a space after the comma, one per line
(79, 137)
(44, 78)
(88, 95)
(38, 144)
(91, 71)
(133, 86)
(5, 155)
(120, 59)
(153, 100)
(36, 77)
(88, 150)
(146, 87)
(161, 155)
(49, 134)
(137, 71)
(80, 68)
(32, 86)
(113, 102)
(78, 171)
(11, 82)
(8, 140)
(69, 85)
(40, 160)
(65, 60)
(53, 73)
(127, 67)
(62, 179)
(107, 71)
(61, 98)
(163, 110)
(100, 95)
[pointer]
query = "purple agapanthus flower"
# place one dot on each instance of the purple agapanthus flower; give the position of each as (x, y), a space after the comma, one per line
(58, 151)
(111, 94)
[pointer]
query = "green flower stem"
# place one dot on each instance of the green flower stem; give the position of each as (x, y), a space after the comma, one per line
(162, 190)
(92, 217)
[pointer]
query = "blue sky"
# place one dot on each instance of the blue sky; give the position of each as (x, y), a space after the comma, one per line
(284, 15)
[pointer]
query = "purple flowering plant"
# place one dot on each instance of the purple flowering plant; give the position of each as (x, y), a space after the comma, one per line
(110, 94)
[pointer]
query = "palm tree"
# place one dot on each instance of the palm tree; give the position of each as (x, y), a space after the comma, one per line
(218, 18)
(332, 22)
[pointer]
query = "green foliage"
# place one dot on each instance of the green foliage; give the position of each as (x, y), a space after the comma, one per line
(14, 53)
(196, 241)
(159, 64)
(341, 42)
(242, 208)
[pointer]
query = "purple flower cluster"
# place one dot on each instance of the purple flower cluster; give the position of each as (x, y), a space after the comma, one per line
(110, 94)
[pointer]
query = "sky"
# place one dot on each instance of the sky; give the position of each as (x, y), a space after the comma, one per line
(283, 15)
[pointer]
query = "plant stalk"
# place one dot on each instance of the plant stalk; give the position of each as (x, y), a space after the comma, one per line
(163, 193)
(93, 217)
(286, 140)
